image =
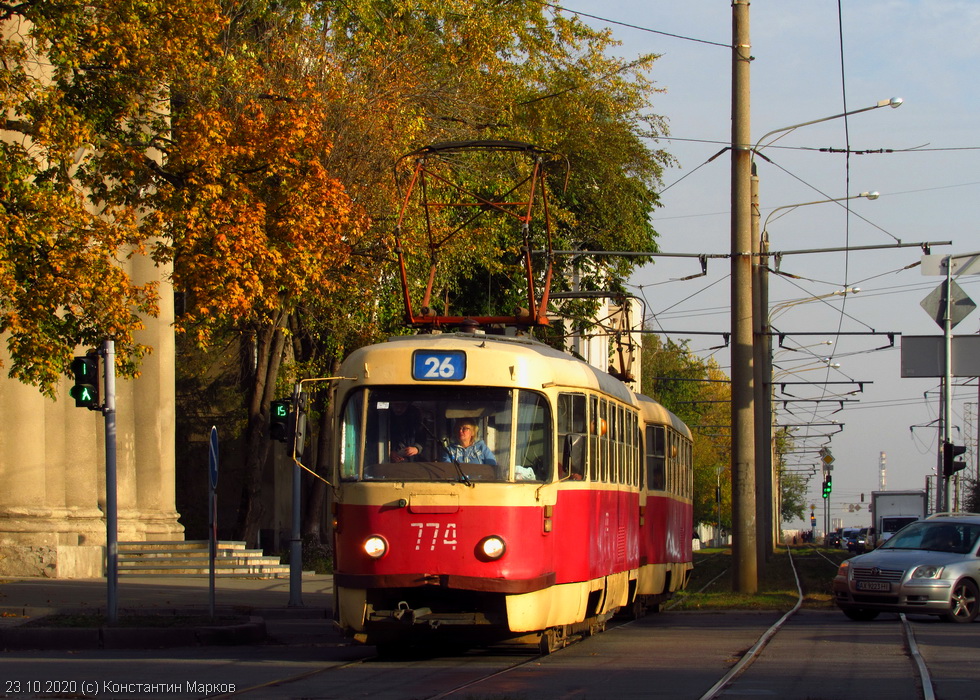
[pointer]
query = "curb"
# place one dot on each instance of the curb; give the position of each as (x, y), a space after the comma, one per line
(68, 638)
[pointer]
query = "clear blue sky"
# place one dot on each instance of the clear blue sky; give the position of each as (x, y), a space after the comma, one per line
(812, 63)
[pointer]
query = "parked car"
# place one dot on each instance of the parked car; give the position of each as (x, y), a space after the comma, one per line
(930, 567)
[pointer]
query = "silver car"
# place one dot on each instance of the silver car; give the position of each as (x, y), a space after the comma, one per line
(930, 567)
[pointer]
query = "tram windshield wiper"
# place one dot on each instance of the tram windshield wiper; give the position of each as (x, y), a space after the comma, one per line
(459, 469)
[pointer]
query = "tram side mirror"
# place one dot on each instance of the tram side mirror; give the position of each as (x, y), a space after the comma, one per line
(573, 456)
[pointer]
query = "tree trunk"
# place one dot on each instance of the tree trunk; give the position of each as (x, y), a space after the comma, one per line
(317, 522)
(259, 384)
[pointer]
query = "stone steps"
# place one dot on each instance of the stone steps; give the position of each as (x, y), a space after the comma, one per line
(190, 558)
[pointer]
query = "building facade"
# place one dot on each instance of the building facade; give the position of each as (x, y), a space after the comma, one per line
(52, 462)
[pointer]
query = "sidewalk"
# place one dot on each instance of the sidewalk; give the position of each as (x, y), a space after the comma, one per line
(255, 600)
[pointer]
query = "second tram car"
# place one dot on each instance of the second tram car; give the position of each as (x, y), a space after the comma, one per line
(492, 488)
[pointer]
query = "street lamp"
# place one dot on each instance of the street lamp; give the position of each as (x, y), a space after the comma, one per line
(892, 102)
(783, 306)
(752, 516)
(783, 372)
(787, 208)
(766, 474)
(748, 397)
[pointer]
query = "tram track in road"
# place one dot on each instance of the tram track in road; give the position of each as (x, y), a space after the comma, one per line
(425, 676)
(726, 685)
(804, 642)
(502, 660)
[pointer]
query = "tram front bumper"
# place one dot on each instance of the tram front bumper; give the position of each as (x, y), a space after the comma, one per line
(406, 616)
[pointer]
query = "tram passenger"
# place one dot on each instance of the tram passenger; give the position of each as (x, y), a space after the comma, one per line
(468, 448)
(406, 423)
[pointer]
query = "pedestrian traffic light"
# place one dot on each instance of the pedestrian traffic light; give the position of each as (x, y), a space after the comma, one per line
(828, 485)
(298, 432)
(279, 419)
(951, 465)
(86, 389)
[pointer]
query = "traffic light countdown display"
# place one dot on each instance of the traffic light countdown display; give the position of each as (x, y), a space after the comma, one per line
(279, 419)
(86, 389)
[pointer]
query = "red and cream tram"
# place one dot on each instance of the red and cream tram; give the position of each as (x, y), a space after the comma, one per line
(492, 488)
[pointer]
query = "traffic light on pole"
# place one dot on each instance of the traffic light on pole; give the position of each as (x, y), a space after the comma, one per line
(828, 485)
(86, 389)
(279, 419)
(950, 464)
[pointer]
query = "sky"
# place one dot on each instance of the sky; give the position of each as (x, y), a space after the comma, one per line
(813, 60)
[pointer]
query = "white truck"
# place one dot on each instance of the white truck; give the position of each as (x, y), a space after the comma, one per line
(893, 510)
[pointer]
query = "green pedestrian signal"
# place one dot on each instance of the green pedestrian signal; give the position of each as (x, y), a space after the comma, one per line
(86, 389)
(279, 419)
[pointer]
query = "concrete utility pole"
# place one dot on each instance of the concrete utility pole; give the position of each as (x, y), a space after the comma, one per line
(745, 575)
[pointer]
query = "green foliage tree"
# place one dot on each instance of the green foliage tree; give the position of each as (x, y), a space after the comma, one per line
(698, 393)
(793, 488)
(971, 497)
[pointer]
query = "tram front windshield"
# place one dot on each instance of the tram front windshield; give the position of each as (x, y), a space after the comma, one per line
(445, 434)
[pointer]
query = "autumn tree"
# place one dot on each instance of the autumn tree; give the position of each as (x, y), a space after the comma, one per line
(251, 144)
(84, 102)
(252, 216)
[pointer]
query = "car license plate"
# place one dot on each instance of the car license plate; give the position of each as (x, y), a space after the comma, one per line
(879, 586)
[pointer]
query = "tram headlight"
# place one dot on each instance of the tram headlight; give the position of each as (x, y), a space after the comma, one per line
(491, 548)
(375, 546)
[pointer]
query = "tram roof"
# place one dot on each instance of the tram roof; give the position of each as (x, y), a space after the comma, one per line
(562, 368)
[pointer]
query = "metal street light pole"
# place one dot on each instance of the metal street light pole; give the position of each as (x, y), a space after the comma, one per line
(768, 406)
(763, 473)
(766, 474)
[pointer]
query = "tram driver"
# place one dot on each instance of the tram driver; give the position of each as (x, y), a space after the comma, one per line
(467, 447)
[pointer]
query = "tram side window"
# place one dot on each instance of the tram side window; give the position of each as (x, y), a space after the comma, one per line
(594, 438)
(572, 438)
(616, 444)
(689, 468)
(603, 432)
(533, 439)
(352, 429)
(673, 455)
(633, 449)
(656, 457)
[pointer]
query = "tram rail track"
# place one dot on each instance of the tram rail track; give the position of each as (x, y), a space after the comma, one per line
(473, 676)
(751, 656)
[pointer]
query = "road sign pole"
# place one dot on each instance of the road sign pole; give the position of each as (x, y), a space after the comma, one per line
(296, 544)
(212, 514)
(111, 505)
(941, 479)
(951, 306)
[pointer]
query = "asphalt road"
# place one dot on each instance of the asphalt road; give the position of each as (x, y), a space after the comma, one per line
(816, 655)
